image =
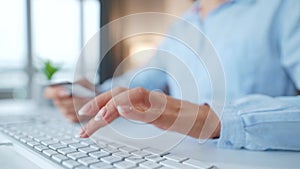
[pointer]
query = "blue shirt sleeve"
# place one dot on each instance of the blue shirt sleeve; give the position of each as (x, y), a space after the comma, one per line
(289, 28)
(151, 76)
(260, 122)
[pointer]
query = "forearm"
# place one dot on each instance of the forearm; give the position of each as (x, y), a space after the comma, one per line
(198, 121)
(207, 125)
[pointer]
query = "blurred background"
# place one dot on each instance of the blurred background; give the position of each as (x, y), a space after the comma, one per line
(36, 32)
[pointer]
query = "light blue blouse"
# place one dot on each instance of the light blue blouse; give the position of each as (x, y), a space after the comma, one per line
(258, 43)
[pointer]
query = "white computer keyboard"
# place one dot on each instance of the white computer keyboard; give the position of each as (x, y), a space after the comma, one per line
(56, 142)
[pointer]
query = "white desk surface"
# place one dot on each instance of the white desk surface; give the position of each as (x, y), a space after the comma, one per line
(208, 152)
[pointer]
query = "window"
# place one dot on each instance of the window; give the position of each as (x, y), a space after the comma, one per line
(56, 30)
(13, 34)
(57, 34)
(12, 48)
(55, 27)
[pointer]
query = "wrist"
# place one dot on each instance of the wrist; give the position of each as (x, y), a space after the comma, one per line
(207, 125)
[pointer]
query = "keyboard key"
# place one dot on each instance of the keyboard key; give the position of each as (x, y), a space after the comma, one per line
(49, 152)
(111, 159)
(11, 133)
(88, 150)
(154, 158)
(97, 146)
(25, 139)
(198, 164)
(87, 142)
(135, 159)
(59, 158)
(40, 147)
(77, 145)
(110, 150)
(76, 155)
(140, 153)
(121, 154)
(149, 165)
(18, 137)
(154, 151)
(70, 163)
(41, 138)
(175, 165)
(33, 143)
(88, 160)
(115, 145)
(101, 143)
(101, 165)
(48, 142)
(57, 146)
(78, 139)
(66, 151)
(164, 167)
(64, 137)
(128, 149)
(68, 141)
(82, 167)
(99, 154)
(176, 158)
(124, 165)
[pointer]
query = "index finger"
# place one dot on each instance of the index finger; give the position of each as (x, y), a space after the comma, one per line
(93, 125)
(93, 106)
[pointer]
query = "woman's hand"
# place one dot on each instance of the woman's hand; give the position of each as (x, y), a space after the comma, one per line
(68, 104)
(154, 108)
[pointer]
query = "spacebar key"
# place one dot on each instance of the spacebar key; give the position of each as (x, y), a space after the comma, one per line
(175, 165)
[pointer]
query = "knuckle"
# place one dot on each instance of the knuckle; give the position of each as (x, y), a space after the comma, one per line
(139, 91)
(63, 110)
(57, 103)
(111, 106)
(73, 119)
(67, 112)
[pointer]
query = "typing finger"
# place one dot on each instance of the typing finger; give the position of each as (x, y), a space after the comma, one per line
(136, 104)
(93, 125)
(93, 106)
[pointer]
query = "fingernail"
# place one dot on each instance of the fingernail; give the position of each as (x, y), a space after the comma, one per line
(100, 114)
(81, 133)
(124, 109)
(86, 108)
(64, 93)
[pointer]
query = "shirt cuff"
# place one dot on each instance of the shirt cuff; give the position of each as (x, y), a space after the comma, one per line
(232, 129)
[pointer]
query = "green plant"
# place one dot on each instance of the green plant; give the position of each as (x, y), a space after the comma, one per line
(49, 69)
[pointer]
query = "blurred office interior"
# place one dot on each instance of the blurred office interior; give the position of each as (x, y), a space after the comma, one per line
(33, 31)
